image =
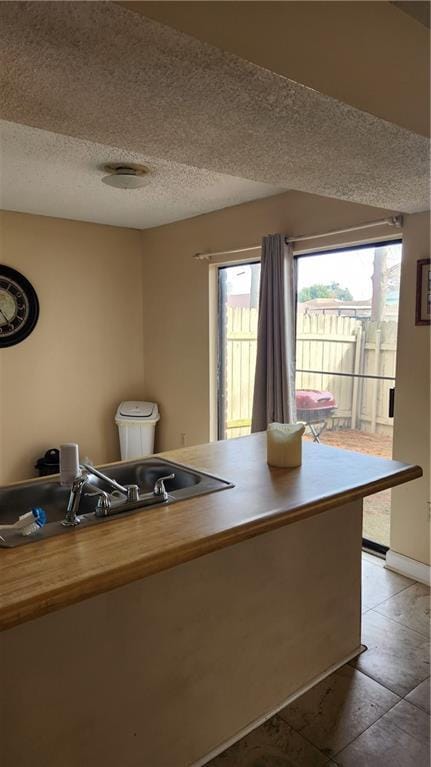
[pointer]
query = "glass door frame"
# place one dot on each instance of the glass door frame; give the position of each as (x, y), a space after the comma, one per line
(220, 366)
(368, 544)
(374, 546)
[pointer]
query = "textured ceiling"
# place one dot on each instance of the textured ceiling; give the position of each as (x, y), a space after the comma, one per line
(97, 71)
(366, 54)
(54, 175)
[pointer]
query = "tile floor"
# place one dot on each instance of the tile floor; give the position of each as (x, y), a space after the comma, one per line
(373, 712)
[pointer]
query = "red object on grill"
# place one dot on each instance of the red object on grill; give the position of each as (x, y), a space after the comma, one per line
(312, 399)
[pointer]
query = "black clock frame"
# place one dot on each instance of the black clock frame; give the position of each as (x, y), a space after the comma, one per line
(33, 307)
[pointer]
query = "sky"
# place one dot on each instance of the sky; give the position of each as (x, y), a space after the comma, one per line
(351, 269)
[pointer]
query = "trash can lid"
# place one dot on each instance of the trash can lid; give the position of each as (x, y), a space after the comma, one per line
(136, 409)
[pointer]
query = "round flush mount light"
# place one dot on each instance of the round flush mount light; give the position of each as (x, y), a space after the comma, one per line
(124, 176)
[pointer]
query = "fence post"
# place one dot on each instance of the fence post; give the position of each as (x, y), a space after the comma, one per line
(375, 381)
(356, 369)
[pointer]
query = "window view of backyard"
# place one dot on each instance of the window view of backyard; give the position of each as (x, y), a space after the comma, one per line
(347, 316)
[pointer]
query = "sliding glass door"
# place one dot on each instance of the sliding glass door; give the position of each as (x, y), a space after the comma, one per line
(347, 317)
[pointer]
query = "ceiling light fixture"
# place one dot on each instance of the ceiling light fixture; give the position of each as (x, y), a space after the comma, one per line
(124, 176)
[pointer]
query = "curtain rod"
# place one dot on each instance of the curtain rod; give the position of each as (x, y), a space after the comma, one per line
(396, 221)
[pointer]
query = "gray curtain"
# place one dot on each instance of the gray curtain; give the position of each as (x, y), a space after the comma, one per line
(274, 385)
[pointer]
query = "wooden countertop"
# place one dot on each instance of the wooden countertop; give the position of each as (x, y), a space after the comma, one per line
(45, 576)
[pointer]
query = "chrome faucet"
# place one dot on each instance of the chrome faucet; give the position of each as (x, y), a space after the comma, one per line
(72, 517)
(105, 504)
(130, 491)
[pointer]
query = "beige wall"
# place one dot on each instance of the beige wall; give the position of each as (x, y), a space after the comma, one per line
(86, 353)
(367, 54)
(176, 296)
(410, 521)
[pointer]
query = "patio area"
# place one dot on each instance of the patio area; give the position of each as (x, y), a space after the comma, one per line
(376, 507)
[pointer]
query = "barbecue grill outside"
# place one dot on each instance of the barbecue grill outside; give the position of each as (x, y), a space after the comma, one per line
(313, 407)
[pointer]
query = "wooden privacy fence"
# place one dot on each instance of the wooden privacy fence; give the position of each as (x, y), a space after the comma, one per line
(240, 356)
(326, 343)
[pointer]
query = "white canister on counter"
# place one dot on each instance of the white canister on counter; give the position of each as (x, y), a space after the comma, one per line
(284, 444)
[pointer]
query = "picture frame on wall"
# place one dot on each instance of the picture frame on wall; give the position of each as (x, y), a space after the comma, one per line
(423, 292)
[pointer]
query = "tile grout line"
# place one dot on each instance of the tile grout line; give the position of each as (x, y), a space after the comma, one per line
(405, 588)
(400, 698)
(418, 708)
(403, 626)
(395, 594)
(410, 734)
(372, 724)
(415, 704)
(389, 688)
(377, 720)
(333, 755)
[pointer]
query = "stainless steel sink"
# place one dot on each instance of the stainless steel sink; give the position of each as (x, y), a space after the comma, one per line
(52, 497)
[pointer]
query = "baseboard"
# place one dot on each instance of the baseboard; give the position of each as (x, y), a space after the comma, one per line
(297, 694)
(417, 571)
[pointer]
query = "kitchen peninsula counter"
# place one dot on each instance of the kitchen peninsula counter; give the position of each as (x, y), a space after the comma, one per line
(51, 574)
(162, 637)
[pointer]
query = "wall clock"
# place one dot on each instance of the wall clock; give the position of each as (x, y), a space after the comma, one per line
(19, 307)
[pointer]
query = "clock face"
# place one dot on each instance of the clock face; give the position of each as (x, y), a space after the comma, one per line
(19, 307)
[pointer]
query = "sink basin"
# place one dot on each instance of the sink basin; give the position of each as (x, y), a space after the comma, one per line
(52, 497)
(144, 473)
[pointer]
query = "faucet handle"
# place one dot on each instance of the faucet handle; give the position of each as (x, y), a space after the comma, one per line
(132, 493)
(103, 503)
(159, 486)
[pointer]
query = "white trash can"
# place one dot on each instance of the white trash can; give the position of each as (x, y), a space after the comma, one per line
(136, 423)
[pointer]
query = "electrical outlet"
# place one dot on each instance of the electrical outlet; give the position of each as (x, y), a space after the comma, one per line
(183, 439)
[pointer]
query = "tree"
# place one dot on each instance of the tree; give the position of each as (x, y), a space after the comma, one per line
(333, 290)
(379, 283)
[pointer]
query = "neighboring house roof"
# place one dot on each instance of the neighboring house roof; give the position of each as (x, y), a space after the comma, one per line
(333, 303)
